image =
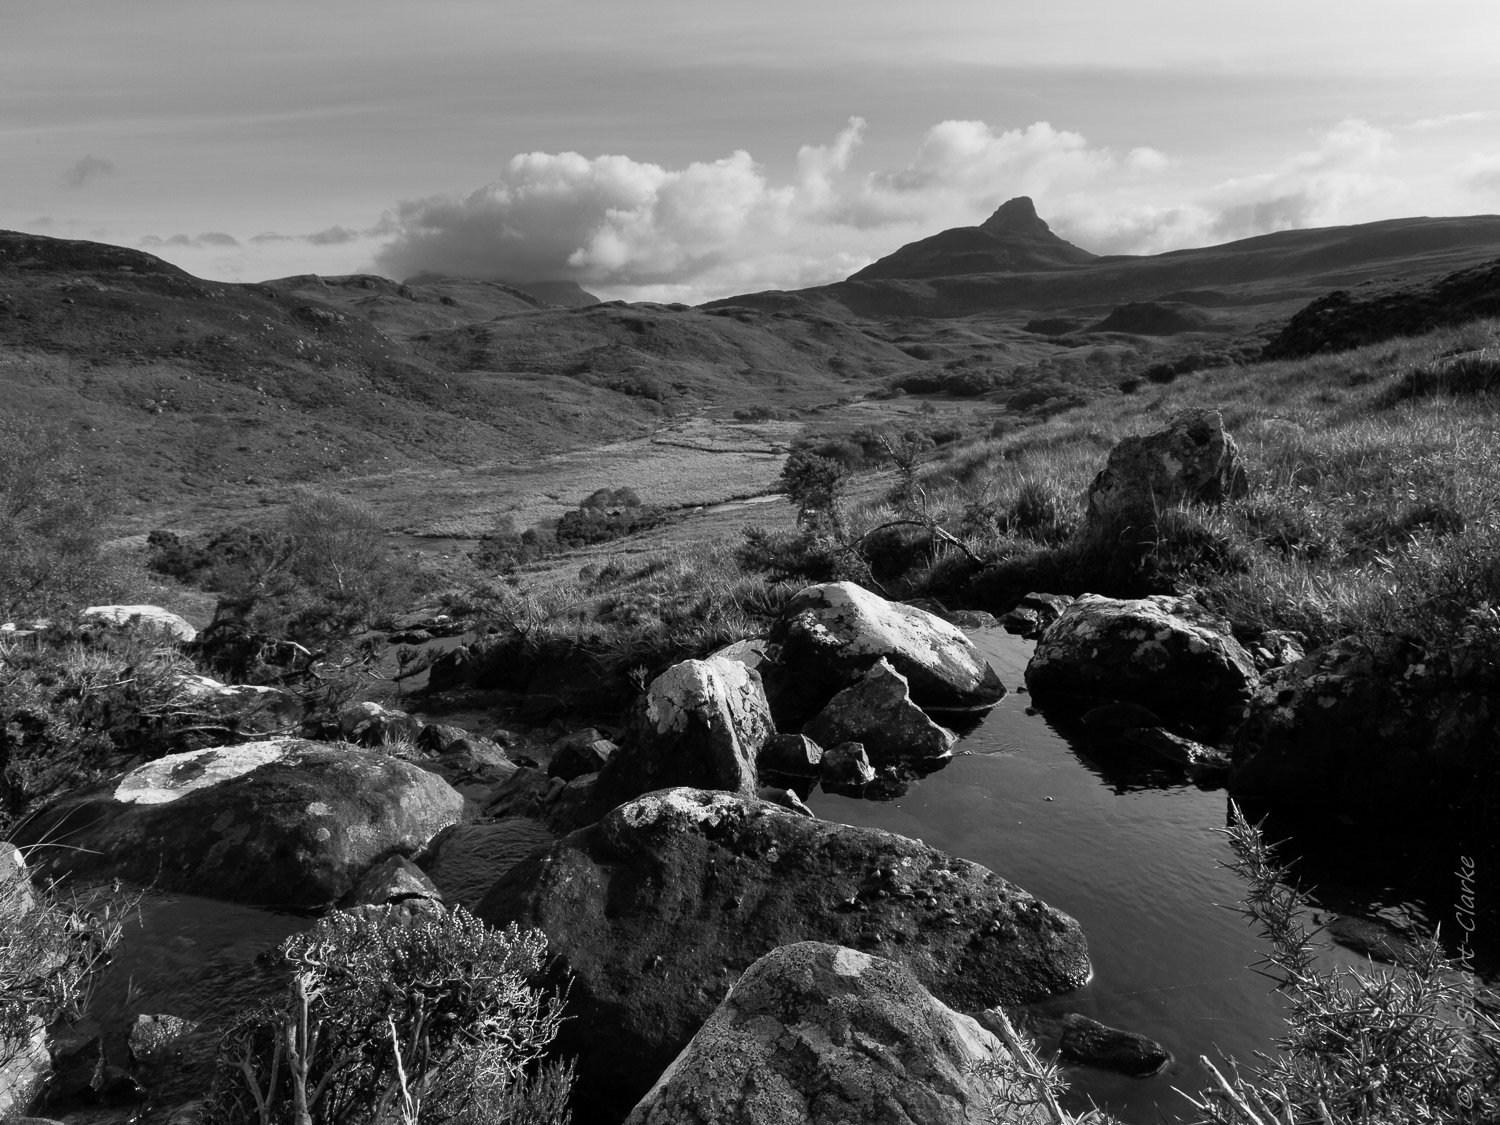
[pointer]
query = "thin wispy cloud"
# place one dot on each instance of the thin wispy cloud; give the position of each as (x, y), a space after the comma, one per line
(88, 169)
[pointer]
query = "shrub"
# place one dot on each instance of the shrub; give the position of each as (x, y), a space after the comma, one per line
(51, 524)
(387, 1018)
(1377, 1045)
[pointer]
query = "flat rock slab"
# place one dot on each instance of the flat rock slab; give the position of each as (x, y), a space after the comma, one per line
(656, 910)
(836, 631)
(285, 822)
(816, 1033)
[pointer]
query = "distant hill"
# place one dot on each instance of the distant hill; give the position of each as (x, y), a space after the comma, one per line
(1013, 263)
(1012, 240)
(568, 294)
(181, 388)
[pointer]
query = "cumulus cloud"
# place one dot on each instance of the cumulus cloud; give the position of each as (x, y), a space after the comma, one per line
(217, 238)
(1481, 173)
(333, 236)
(87, 169)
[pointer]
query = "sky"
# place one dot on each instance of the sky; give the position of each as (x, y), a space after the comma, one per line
(693, 149)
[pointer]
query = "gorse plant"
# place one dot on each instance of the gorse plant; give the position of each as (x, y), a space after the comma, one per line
(390, 1017)
(1406, 1044)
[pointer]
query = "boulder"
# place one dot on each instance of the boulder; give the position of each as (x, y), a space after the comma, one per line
(846, 769)
(579, 753)
(877, 710)
(252, 708)
(284, 822)
(1191, 461)
(835, 632)
(1034, 612)
(656, 909)
(370, 724)
(391, 882)
(702, 724)
(789, 755)
(1161, 652)
(816, 1033)
(1380, 724)
(1092, 1043)
(150, 616)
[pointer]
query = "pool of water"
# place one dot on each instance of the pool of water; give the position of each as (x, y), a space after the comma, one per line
(1132, 852)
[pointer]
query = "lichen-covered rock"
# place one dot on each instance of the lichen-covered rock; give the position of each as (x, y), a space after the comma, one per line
(157, 1039)
(1383, 725)
(835, 632)
(151, 616)
(284, 822)
(1192, 460)
(370, 724)
(1161, 652)
(877, 711)
(816, 1034)
(702, 724)
(655, 910)
(24, 1070)
(252, 708)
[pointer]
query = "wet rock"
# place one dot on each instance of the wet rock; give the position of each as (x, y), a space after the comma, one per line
(1205, 765)
(1095, 1044)
(846, 769)
(150, 616)
(1191, 461)
(702, 723)
(582, 752)
(154, 1040)
(467, 859)
(816, 1033)
(833, 633)
(285, 822)
(1165, 653)
(391, 882)
(790, 755)
(878, 711)
(1374, 938)
(1034, 612)
(658, 907)
(1383, 724)
(370, 724)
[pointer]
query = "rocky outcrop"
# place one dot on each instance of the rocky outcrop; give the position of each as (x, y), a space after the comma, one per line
(834, 633)
(815, 1033)
(1379, 724)
(877, 710)
(1165, 653)
(701, 724)
(284, 822)
(656, 909)
(1191, 461)
(149, 616)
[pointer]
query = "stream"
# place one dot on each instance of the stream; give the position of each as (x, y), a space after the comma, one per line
(1126, 847)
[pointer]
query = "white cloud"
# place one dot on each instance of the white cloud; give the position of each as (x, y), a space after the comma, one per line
(1446, 120)
(88, 169)
(1481, 172)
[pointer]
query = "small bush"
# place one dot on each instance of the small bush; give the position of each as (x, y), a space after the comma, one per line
(387, 1018)
(1473, 373)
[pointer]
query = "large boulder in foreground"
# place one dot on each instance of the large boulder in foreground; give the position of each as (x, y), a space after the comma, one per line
(1378, 724)
(655, 911)
(835, 632)
(877, 710)
(284, 822)
(1165, 653)
(702, 724)
(816, 1033)
(1191, 461)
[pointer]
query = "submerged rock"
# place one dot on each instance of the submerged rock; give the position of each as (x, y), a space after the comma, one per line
(815, 1033)
(877, 711)
(284, 822)
(835, 632)
(1164, 653)
(1092, 1043)
(656, 909)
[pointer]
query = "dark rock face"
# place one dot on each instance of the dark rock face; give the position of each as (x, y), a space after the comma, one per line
(391, 882)
(790, 755)
(579, 753)
(878, 712)
(1034, 612)
(816, 1033)
(1092, 1043)
(287, 822)
(658, 907)
(1164, 653)
(1190, 461)
(835, 632)
(846, 769)
(466, 859)
(1205, 765)
(703, 723)
(1382, 725)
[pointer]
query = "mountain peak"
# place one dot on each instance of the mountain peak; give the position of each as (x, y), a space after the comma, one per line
(1016, 216)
